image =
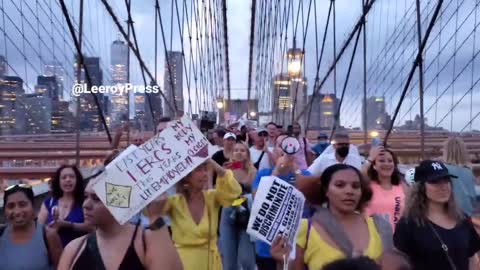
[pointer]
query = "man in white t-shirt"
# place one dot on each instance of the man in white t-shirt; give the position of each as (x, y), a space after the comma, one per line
(260, 154)
(342, 154)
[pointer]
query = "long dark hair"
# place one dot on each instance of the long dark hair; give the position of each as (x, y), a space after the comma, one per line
(416, 205)
(327, 178)
(57, 192)
(395, 179)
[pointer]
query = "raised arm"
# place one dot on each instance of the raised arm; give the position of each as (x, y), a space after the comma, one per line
(161, 253)
(55, 247)
(43, 214)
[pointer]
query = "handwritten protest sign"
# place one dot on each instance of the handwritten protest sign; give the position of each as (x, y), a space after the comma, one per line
(277, 209)
(141, 174)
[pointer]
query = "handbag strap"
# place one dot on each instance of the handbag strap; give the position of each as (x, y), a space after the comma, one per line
(444, 246)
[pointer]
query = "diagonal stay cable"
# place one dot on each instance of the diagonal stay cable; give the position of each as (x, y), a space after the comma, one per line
(87, 75)
(132, 47)
(415, 65)
(356, 28)
(336, 121)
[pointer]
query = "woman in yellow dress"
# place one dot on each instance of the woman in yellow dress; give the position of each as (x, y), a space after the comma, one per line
(339, 230)
(194, 215)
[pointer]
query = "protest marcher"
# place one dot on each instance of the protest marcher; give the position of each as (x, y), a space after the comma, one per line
(115, 246)
(217, 137)
(388, 190)
(285, 169)
(304, 157)
(457, 161)
(272, 129)
(63, 210)
(321, 145)
(225, 154)
(433, 232)
(237, 249)
(261, 154)
(194, 215)
(24, 243)
(340, 230)
(342, 154)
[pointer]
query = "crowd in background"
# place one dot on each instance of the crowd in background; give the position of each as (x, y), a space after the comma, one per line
(361, 212)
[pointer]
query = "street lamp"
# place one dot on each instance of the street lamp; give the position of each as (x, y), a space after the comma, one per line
(294, 61)
(374, 134)
(220, 104)
(253, 114)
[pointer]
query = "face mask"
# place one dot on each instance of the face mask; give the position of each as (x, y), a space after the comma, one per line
(343, 151)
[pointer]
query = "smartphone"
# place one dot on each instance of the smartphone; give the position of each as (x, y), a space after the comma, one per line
(234, 165)
(376, 142)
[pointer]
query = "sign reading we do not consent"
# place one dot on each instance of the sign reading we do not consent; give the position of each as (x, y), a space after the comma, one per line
(141, 174)
(277, 209)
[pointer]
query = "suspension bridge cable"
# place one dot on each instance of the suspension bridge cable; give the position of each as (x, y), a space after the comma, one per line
(356, 28)
(302, 59)
(81, 63)
(337, 113)
(169, 68)
(132, 28)
(225, 38)
(415, 65)
(135, 51)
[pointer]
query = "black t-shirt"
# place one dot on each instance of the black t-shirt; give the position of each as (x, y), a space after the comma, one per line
(425, 250)
(219, 157)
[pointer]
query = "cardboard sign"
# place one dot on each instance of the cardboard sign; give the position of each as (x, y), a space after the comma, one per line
(141, 174)
(277, 209)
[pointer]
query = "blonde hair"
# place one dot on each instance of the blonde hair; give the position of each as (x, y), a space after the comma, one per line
(247, 164)
(455, 152)
(416, 205)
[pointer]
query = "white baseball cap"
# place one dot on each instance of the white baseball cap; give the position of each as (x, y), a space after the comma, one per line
(229, 135)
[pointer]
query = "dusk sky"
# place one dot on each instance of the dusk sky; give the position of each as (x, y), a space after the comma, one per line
(387, 76)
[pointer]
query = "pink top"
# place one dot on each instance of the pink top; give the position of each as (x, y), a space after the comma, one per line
(387, 203)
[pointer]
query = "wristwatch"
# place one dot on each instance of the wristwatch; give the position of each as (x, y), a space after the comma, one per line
(157, 224)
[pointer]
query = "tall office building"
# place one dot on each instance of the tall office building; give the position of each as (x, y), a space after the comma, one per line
(173, 79)
(11, 121)
(322, 115)
(48, 85)
(119, 72)
(156, 105)
(328, 109)
(298, 97)
(38, 113)
(3, 66)
(281, 99)
(62, 118)
(377, 117)
(287, 92)
(54, 68)
(89, 117)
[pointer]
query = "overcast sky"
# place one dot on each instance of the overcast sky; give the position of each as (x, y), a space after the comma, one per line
(388, 26)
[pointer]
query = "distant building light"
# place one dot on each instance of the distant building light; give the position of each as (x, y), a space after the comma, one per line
(379, 99)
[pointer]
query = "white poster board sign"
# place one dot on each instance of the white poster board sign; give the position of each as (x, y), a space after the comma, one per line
(141, 174)
(277, 209)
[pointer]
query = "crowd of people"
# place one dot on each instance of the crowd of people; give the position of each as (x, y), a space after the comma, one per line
(361, 212)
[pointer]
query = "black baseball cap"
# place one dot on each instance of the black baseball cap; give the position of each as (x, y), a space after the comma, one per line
(431, 171)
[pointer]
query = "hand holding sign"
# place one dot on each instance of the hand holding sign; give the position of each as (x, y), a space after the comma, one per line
(140, 174)
(276, 210)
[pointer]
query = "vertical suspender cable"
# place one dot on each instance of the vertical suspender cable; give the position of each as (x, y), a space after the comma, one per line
(79, 68)
(420, 78)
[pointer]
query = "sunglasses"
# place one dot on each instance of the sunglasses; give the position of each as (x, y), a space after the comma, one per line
(342, 144)
(263, 134)
(21, 186)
